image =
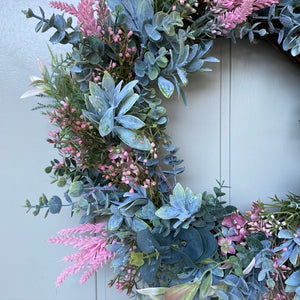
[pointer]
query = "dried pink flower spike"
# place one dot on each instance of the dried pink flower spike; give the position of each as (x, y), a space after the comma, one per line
(92, 241)
(91, 14)
(230, 13)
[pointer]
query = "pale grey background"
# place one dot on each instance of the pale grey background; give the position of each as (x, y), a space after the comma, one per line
(242, 126)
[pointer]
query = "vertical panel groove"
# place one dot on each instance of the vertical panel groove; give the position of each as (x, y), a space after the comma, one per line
(230, 95)
(220, 116)
(225, 115)
(96, 286)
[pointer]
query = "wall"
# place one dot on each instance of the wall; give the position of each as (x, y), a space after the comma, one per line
(242, 122)
(241, 126)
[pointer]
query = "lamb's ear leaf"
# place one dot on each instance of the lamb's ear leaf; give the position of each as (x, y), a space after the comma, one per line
(107, 122)
(127, 104)
(133, 139)
(130, 122)
(166, 86)
(126, 92)
(108, 83)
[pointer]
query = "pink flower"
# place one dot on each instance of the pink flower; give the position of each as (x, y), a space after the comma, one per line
(240, 235)
(116, 152)
(91, 14)
(226, 245)
(235, 220)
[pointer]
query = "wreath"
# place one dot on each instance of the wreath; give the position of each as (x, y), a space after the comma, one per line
(120, 167)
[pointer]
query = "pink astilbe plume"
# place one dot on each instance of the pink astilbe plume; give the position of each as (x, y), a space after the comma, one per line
(91, 14)
(230, 13)
(91, 241)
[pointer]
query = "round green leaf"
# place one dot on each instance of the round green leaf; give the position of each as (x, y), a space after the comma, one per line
(76, 189)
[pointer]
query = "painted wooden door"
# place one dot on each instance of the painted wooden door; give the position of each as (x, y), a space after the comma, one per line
(241, 126)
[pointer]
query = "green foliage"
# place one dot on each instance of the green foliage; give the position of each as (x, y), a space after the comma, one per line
(111, 127)
(133, 13)
(186, 291)
(110, 105)
(293, 284)
(61, 26)
(288, 14)
(183, 205)
(291, 247)
(76, 189)
(288, 210)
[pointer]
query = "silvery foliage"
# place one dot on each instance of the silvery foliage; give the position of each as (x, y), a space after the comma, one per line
(287, 12)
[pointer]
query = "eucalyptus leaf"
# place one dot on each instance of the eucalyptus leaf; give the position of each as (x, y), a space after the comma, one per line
(138, 224)
(115, 221)
(152, 32)
(57, 37)
(149, 269)
(60, 23)
(55, 205)
(146, 242)
(76, 189)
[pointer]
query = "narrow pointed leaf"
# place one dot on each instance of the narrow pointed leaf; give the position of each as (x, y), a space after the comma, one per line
(152, 291)
(182, 75)
(32, 93)
(211, 59)
(294, 255)
(205, 287)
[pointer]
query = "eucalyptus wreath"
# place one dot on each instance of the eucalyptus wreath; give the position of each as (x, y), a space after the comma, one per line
(119, 168)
